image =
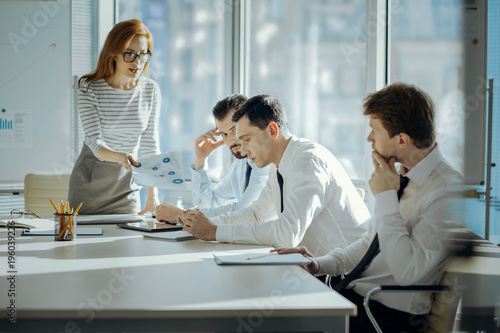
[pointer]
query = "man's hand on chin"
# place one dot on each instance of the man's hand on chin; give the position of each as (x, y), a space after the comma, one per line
(198, 225)
(385, 177)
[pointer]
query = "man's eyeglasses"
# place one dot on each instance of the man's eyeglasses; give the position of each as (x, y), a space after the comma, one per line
(130, 56)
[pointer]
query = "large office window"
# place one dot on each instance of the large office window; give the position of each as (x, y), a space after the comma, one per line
(189, 63)
(296, 54)
(494, 73)
(427, 51)
(312, 55)
(304, 53)
(84, 56)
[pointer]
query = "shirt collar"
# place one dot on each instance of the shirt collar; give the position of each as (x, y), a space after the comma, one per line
(252, 164)
(421, 171)
(287, 158)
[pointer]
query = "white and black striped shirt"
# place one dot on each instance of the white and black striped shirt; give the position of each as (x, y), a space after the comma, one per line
(121, 120)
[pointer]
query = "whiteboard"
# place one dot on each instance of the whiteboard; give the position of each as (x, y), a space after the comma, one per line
(35, 88)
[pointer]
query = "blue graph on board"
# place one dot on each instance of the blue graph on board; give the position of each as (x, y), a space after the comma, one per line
(5, 124)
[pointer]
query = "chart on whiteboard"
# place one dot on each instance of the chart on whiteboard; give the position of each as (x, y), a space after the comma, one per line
(162, 171)
(16, 129)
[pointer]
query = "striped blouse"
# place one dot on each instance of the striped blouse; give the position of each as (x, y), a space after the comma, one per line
(121, 120)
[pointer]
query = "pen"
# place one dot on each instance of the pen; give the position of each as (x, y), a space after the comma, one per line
(78, 208)
(67, 227)
(54, 206)
(72, 216)
(63, 229)
(262, 256)
(70, 223)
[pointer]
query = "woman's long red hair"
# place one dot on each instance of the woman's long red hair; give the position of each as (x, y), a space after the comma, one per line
(117, 41)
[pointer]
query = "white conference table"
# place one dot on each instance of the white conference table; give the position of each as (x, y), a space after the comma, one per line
(478, 278)
(121, 282)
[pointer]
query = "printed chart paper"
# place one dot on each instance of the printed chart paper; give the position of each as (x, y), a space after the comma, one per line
(16, 130)
(162, 171)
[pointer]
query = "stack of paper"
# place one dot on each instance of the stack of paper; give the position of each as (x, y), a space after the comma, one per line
(232, 258)
(29, 223)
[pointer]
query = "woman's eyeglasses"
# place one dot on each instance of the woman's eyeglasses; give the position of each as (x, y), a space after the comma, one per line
(131, 56)
(28, 214)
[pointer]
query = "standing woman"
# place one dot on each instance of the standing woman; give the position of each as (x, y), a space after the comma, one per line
(119, 110)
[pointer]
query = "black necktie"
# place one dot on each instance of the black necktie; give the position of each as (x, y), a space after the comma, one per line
(373, 250)
(403, 182)
(247, 176)
(280, 182)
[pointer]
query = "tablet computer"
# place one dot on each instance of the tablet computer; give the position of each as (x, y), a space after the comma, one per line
(151, 226)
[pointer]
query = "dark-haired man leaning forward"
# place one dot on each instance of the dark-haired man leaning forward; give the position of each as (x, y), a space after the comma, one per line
(239, 187)
(410, 232)
(308, 199)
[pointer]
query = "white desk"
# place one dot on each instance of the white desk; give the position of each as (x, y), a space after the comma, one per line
(479, 278)
(121, 282)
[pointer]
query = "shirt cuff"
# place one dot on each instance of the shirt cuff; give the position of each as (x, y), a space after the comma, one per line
(386, 204)
(224, 233)
(196, 177)
(204, 169)
(326, 263)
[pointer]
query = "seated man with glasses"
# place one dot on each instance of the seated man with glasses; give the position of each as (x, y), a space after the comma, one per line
(242, 184)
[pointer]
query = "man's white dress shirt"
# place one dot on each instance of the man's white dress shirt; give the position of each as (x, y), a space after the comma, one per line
(322, 209)
(230, 193)
(412, 236)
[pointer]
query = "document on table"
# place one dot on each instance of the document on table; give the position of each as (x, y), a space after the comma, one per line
(51, 232)
(232, 258)
(162, 171)
(28, 223)
(173, 236)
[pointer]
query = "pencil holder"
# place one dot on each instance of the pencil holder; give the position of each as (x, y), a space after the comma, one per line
(64, 227)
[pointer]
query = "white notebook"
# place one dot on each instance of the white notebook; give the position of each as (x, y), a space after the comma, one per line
(256, 258)
(173, 236)
(29, 223)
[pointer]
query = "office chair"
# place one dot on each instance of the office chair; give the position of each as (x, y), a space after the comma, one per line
(361, 192)
(38, 188)
(444, 307)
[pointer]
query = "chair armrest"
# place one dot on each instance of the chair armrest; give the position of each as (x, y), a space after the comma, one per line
(394, 288)
(419, 288)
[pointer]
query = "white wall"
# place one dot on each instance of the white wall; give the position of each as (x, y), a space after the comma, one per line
(35, 88)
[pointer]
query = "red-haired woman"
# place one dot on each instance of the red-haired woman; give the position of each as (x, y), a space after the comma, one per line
(119, 109)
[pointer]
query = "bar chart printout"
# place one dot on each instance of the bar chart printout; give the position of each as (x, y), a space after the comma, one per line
(16, 130)
(5, 124)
